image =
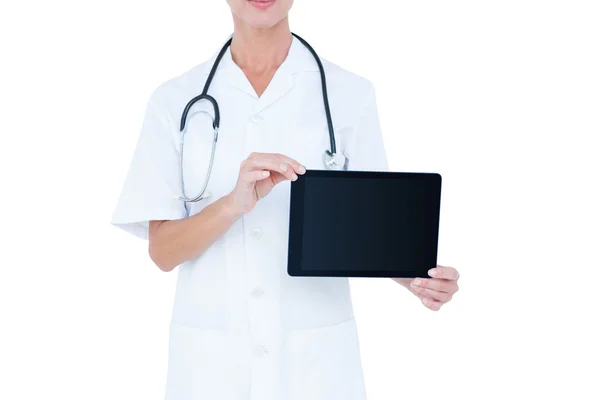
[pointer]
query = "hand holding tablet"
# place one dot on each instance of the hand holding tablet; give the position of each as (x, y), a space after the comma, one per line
(364, 224)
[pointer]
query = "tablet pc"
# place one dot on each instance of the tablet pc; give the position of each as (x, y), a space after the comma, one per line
(364, 224)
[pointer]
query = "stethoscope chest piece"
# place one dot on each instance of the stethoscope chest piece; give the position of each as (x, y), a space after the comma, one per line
(334, 162)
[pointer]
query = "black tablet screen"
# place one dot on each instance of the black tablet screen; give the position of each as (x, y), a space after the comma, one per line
(369, 224)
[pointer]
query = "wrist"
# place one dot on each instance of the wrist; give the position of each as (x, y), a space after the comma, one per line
(229, 209)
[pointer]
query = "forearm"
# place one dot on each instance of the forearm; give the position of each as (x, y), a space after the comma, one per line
(171, 243)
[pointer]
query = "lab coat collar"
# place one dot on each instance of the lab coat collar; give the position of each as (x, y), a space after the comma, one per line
(299, 59)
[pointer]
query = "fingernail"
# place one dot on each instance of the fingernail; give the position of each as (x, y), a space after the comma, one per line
(302, 169)
(265, 173)
(283, 167)
(432, 272)
(416, 282)
(294, 177)
(425, 301)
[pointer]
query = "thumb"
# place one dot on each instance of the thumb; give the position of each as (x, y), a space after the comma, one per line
(276, 178)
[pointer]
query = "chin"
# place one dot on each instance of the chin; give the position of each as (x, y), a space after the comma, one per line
(261, 18)
(263, 21)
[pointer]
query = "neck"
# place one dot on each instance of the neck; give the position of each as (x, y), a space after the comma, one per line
(258, 50)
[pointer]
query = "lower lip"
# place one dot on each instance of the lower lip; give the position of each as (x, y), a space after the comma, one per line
(262, 5)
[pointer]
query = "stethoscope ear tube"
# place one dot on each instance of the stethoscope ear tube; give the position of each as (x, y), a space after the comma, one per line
(200, 196)
(216, 118)
(205, 95)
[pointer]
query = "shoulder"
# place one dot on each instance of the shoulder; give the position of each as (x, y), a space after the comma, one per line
(346, 83)
(179, 85)
(172, 94)
(349, 94)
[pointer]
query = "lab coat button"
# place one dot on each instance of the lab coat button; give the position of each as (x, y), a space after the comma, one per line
(256, 118)
(257, 292)
(259, 351)
(256, 232)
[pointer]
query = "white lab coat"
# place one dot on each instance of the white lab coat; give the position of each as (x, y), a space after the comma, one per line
(242, 329)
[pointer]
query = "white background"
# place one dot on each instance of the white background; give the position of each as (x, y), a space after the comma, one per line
(500, 97)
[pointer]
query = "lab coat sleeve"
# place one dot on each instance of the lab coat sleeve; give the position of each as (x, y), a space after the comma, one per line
(151, 184)
(365, 150)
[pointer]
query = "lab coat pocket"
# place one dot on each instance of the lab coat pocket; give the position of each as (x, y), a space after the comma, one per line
(313, 302)
(201, 295)
(202, 365)
(323, 364)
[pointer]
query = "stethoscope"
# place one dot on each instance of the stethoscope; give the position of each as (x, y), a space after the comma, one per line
(330, 157)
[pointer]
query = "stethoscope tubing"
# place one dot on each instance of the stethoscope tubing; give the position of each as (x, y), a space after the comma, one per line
(330, 153)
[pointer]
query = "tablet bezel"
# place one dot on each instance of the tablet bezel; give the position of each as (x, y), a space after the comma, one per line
(296, 217)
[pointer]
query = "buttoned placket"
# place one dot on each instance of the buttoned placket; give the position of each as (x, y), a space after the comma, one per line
(261, 268)
(261, 301)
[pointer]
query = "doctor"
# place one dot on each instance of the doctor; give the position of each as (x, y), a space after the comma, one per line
(241, 327)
